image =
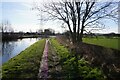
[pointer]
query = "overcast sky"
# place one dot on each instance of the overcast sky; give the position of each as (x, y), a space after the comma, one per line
(23, 18)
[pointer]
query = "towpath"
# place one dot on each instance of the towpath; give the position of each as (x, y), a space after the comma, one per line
(43, 71)
(49, 66)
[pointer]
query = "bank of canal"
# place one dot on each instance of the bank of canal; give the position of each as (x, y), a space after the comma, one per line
(26, 64)
(14, 47)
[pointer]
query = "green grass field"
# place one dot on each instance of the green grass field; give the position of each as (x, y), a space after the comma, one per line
(106, 42)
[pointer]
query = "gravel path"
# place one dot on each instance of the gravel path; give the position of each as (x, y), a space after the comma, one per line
(49, 66)
(53, 64)
(43, 71)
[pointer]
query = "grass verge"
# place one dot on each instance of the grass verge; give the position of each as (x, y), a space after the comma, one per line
(70, 69)
(26, 64)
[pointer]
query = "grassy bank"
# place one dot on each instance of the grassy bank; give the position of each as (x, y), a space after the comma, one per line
(26, 64)
(106, 42)
(70, 69)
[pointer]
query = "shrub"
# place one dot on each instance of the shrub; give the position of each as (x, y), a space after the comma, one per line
(69, 67)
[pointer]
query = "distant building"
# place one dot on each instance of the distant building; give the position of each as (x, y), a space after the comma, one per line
(49, 31)
(40, 31)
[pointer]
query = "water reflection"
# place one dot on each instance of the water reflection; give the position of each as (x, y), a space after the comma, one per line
(12, 48)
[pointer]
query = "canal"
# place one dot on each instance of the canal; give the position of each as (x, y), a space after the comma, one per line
(13, 48)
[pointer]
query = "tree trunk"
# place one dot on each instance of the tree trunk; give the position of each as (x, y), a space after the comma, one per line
(73, 39)
(81, 33)
(80, 38)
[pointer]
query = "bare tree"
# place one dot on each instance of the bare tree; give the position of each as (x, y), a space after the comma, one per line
(81, 15)
(5, 26)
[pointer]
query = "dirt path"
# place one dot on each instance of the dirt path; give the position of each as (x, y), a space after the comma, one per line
(53, 63)
(49, 66)
(43, 71)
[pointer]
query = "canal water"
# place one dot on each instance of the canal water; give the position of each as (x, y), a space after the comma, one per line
(13, 48)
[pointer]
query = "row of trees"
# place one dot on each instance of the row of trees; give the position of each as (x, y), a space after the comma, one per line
(6, 27)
